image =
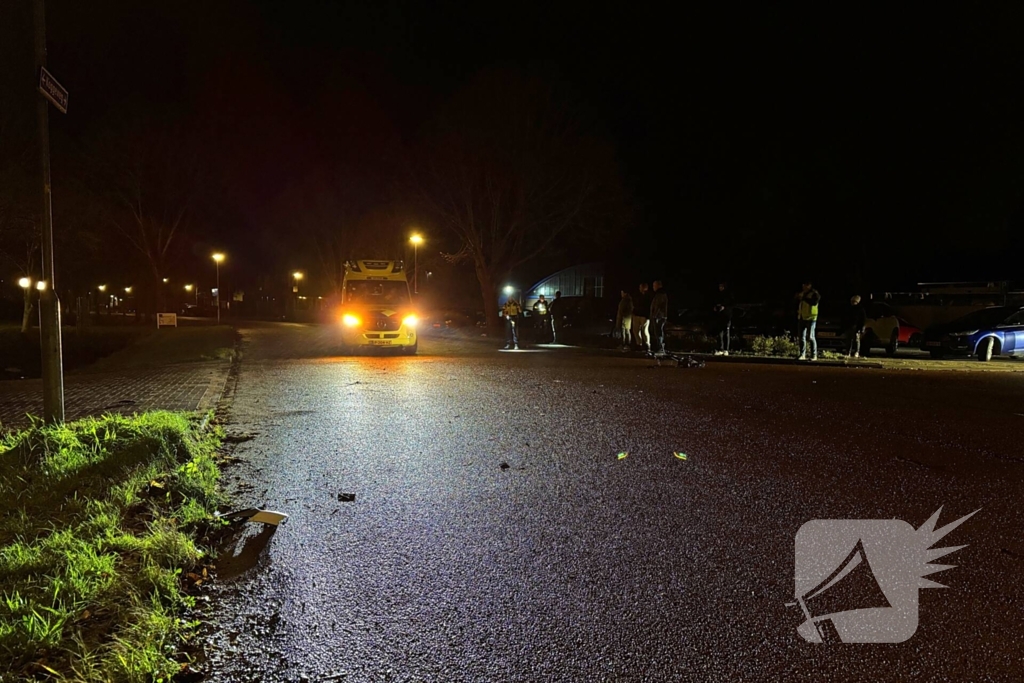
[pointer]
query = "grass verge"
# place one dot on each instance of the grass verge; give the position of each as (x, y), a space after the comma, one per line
(99, 520)
(172, 345)
(81, 347)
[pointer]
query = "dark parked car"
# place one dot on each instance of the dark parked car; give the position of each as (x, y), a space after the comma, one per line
(760, 320)
(994, 331)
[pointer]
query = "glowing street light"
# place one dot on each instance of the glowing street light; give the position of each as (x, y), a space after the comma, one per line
(189, 288)
(509, 289)
(102, 288)
(416, 240)
(166, 280)
(127, 290)
(25, 282)
(297, 275)
(41, 285)
(217, 258)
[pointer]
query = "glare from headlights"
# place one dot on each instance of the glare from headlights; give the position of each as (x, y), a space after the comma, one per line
(409, 321)
(350, 320)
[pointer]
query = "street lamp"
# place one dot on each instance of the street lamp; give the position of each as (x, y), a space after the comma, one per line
(416, 240)
(297, 275)
(25, 282)
(102, 288)
(166, 280)
(217, 258)
(127, 290)
(189, 288)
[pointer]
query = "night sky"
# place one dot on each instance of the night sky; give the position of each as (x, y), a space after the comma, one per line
(762, 145)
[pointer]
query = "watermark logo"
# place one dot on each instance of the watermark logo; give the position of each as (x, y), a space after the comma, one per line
(857, 581)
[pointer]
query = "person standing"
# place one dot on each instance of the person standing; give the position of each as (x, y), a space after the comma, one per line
(641, 319)
(854, 322)
(807, 316)
(624, 319)
(723, 318)
(557, 313)
(540, 313)
(510, 311)
(659, 315)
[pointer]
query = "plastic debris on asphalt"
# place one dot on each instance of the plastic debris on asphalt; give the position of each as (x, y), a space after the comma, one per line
(346, 497)
(504, 465)
(681, 456)
(622, 455)
(256, 515)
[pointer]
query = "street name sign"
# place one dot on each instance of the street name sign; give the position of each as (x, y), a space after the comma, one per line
(52, 90)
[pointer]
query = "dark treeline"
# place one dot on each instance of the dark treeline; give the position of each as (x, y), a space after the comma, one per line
(758, 149)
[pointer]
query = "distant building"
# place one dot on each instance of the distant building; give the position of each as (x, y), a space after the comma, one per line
(584, 280)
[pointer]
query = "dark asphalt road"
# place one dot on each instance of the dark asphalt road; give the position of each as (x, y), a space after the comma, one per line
(573, 565)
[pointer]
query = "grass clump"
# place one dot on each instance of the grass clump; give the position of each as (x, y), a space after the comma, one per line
(98, 520)
(774, 346)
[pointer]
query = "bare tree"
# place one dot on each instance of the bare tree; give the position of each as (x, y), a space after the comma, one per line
(19, 227)
(510, 170)
(150, 182)
(339, 218)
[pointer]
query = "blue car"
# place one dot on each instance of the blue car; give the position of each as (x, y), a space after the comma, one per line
(995, 331)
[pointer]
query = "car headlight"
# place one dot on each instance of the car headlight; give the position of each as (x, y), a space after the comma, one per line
(350, 320)
(964, 334)
(410, 321)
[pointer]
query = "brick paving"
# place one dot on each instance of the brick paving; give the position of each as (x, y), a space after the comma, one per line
(185, 386)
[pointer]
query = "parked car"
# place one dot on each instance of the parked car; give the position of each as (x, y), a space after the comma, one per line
(993, 331)
(882, 329)
(453, 318)
(201, 311)
(758, 320)
(690, 328)
(910, 336)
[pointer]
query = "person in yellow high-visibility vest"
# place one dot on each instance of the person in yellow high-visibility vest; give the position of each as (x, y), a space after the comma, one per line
(807, 316)
(511, 311)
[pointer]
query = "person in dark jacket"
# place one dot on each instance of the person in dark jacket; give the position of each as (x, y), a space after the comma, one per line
(557, 311)
(723, 318)
(854, 321)
(659, 316)
(641, 319)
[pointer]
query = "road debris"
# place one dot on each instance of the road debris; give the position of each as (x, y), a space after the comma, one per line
(255, 515)
(346, 497)
(622, 455)
(680, 456)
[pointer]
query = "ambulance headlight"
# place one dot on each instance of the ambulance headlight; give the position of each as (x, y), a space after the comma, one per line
(410, 321)
(349, 320)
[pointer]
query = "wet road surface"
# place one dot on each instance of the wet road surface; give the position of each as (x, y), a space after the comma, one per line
(571, 564)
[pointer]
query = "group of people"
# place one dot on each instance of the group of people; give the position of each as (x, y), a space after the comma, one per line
(854, 322)
(549, 317)
(641, 317)
(640, 321)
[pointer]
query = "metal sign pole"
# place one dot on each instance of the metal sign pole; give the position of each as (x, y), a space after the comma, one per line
(49, 306)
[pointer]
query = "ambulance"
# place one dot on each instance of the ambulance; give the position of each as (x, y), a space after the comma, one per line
(376, 308)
